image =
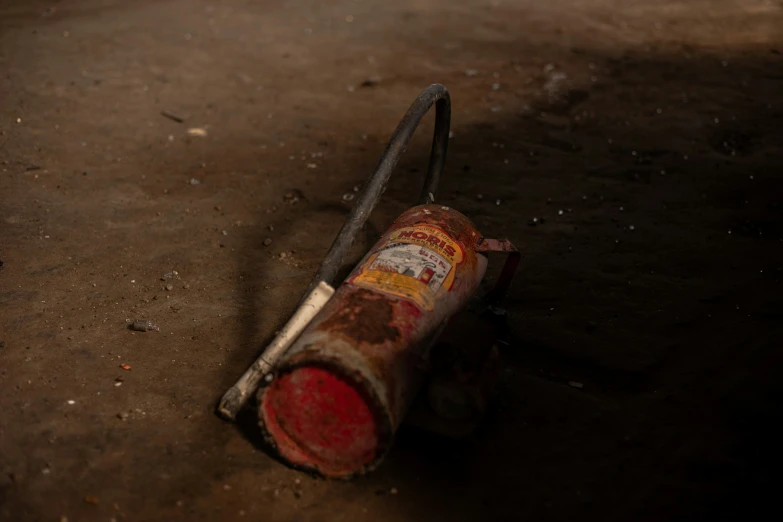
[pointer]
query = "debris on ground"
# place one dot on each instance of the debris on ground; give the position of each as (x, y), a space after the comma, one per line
(197, 131)
(145, 325)
(575, 384)
(267, 241)
(91, 499)
(171, 116)
(371, 81)
(292, 197)
(170, 275)
(289, 259)
(125, 367)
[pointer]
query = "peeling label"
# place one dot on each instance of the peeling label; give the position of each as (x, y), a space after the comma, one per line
(413, 263)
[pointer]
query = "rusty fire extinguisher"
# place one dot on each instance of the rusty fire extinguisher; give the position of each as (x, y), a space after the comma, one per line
(335, 384)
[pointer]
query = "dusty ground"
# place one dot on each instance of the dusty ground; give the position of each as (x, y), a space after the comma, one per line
(655, 127)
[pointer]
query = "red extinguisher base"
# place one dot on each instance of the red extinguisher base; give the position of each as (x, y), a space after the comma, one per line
(323, 421)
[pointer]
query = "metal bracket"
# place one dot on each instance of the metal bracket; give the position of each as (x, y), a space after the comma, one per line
(513, 258)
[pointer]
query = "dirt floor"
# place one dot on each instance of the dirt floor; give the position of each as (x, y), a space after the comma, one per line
(644, 137)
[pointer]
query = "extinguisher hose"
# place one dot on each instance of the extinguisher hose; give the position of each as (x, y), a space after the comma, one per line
(436, 94)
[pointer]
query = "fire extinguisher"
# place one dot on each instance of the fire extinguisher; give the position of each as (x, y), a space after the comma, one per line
(337, 381)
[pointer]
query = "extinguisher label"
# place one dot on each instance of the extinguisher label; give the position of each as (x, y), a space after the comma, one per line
(414, 263)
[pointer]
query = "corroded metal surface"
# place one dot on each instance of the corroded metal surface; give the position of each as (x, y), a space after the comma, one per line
(345, 385)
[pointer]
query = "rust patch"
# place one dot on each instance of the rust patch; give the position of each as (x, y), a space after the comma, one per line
(451, 222)
(365, 317)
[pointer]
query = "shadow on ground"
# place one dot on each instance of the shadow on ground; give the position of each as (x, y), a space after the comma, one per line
(641, 243)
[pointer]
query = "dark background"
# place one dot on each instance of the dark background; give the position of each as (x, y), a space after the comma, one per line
(654, 126)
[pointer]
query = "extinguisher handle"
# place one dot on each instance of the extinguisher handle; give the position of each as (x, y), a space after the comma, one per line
(513, 259)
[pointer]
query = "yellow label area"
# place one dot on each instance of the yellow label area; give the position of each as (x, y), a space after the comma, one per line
(413, 263)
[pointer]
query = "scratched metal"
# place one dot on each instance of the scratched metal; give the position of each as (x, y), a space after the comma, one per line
(377, 344)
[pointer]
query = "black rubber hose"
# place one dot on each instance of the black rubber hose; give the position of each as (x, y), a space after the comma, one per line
(434, 94)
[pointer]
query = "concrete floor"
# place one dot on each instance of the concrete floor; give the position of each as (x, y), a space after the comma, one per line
(655, 127)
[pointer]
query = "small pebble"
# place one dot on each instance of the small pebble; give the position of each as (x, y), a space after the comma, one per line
(145, 325)
(194, 181)
(267, 241)
(348, 196)
(72, 402)
(169, 287)
(170, 275)
(393, 491)
(479, 197)
(575, 384)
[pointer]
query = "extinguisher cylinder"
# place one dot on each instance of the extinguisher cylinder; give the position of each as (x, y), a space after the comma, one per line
(343, 388)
